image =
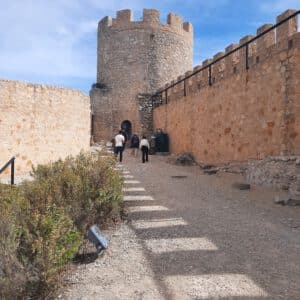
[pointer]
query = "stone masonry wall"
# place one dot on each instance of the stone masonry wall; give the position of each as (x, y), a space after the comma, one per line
(244, 114)
(135, 57)
(41, 123)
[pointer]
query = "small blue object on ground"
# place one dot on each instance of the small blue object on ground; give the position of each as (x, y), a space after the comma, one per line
(97, 238)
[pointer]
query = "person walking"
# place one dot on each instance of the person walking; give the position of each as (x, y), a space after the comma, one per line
(134, 144)
(144, 146)
(123, 132)
(119, 145)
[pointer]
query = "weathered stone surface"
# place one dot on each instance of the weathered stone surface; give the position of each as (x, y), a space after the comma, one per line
(146, 113)
(40, 123)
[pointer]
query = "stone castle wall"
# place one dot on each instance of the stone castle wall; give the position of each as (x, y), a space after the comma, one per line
(41, 123)
(135, 57)
(244, 114)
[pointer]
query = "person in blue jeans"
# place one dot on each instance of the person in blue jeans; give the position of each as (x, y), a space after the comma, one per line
(144, 146)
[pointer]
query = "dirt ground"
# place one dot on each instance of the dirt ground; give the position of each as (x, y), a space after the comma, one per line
(193, 236)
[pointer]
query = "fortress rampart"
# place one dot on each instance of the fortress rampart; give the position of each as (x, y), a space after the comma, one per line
(40, 123)
(238, 110)
(150, 20)
(135, 57)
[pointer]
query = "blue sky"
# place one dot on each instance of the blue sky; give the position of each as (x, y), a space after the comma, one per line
(54, 42)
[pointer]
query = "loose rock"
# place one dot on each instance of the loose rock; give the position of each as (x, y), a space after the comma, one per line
(288, 200)
(281, 199)
(210, 171)
(206, 166)
(293, 202)
(184, 159)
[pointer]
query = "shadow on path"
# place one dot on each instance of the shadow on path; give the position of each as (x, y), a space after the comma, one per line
(250, 260)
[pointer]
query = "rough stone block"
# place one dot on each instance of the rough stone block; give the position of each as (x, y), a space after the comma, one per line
(105, 22)
(211, 171)
(124, 16)
(246, 39)
(267, 39)
(230, 48)
(196, 68)
(206, 62)
(218, 55)
(151, 16)
(174, 20)
(288, 28)
(188, 27)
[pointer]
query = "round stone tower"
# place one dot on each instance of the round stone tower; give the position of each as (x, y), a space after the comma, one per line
(135, 59)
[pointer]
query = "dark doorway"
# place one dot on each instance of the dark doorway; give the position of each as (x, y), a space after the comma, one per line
(126, 126)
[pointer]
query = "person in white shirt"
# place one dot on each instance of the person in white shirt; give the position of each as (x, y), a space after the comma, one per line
(119, 145)
(144, 146)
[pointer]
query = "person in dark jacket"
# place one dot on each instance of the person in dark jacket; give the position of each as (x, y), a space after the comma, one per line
(134, 144)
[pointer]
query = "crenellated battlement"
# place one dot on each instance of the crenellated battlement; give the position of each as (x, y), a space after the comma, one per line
(249, 52)
(134, 58)
(151, 16)
(124, 16)
(150, 20)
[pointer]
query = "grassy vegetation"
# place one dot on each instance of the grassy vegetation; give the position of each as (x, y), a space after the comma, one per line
(43, 222)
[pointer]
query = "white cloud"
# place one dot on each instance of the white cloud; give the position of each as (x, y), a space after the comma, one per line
(44, 38)
(58, 37)
(53, 38)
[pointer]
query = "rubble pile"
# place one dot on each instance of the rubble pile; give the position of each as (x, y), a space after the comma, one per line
(183, 159)
(282, 172)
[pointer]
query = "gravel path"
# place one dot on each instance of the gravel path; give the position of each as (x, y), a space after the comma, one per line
(194, 237)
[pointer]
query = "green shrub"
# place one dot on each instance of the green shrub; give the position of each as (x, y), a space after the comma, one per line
(86, 186)
(12, 272)
(52, 243)
(42, 222)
